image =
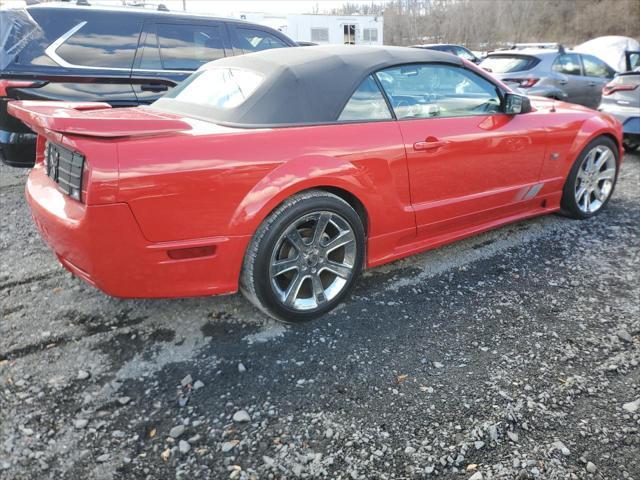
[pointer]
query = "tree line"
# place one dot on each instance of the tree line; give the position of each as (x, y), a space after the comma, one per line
(487, 24)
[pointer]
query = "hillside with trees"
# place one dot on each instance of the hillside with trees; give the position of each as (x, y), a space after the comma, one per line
(483, 24)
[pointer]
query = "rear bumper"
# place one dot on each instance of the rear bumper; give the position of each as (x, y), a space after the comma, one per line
(104, 246)
(627, 116)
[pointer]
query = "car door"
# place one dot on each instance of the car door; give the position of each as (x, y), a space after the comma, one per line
(171, 50)
(468, 163)
(598, 75)
(570, 78)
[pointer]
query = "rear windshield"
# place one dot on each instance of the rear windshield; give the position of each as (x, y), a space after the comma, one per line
(18, 29)
(223, 88)
(508, 63)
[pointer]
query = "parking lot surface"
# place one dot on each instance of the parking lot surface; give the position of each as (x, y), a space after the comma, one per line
(514, 354)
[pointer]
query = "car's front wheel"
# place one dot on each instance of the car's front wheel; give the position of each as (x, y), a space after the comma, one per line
(591, 180)
(305, 257)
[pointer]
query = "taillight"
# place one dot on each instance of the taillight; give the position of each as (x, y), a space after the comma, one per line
(613, 87)
(522, 82)
(6, 84)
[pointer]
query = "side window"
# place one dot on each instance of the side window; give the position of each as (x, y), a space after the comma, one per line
(568, 64)
(370, 35)
(184, 47)
(464, 53)
(424, 91)
(253, 40)
(319, 34)
(366, 103)
(594, 67)
(102, 44)
(150, 57)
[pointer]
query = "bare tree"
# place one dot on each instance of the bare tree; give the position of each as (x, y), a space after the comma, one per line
(487, 24)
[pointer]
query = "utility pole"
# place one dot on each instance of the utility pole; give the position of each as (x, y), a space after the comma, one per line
(184, 5)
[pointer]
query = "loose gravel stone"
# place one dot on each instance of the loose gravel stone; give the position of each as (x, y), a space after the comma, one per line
(184, 446)
(625, 336)
(177, 431)
(186, 381)
(558, 445)
(198, 385)
(228, 446)
(80, 423)
(241, 416)
(409, 450)
(632, 407)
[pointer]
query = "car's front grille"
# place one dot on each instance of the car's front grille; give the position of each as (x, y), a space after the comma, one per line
(64, 167)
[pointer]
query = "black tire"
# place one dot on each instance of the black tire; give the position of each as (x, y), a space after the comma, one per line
(569, 203)
(256, 282)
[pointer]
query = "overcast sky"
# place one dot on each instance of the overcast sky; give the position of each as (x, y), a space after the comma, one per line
(226, 7)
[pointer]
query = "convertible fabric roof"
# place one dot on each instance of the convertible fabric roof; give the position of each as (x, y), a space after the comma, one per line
(305, 85)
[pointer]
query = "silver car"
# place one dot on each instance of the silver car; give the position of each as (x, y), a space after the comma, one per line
(621, 99)
(548, 70)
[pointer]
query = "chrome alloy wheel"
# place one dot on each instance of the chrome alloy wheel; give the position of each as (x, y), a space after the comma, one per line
(594, 182)
(313, 260)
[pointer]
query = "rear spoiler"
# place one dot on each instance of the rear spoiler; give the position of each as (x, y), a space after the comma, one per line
(93, 119)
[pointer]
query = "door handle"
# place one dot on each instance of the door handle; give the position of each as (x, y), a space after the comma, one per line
(430, 143)
(153, 87)
(592, 84)
(562, 82)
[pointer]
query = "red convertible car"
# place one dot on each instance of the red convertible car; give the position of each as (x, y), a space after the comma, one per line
(284, 173)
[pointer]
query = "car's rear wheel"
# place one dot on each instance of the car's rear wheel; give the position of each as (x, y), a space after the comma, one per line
(592, 179)
(305, 257)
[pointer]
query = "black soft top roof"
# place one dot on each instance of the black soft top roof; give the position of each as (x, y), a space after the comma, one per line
(303, 85)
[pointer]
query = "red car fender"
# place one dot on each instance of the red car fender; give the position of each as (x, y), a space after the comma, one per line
(303, 173)
(593, 127)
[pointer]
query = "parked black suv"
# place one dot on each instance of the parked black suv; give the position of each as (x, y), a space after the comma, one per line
(122, 56)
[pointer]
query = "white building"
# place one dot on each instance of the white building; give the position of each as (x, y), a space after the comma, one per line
(322, 29)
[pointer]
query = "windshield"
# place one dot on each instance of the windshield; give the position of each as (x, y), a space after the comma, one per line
(508, 63)
(18, 29)
(223, 88)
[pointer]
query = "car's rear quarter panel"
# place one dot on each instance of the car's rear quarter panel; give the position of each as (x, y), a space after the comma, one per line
(226, 182)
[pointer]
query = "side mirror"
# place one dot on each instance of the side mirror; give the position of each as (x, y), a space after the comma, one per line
(515, 104)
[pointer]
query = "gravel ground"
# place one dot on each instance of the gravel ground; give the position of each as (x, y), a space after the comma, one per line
(514, 354)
